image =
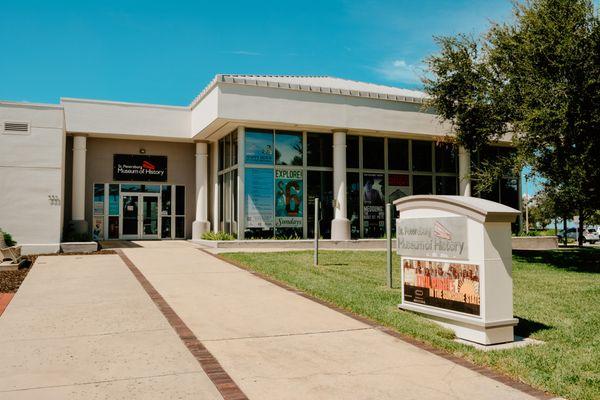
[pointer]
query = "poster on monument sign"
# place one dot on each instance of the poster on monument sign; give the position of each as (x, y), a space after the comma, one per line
(288, 198)
(449, 285)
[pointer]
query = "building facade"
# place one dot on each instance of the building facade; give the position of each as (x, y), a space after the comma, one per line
(248, 157)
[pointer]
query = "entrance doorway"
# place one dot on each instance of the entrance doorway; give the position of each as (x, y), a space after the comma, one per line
(140, 217)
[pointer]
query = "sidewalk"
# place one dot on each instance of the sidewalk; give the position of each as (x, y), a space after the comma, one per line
(82, 327)
(278, 345)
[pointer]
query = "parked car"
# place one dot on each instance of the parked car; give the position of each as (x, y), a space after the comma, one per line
(590, 235)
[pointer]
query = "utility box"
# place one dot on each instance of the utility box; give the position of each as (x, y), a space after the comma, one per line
(456, 264)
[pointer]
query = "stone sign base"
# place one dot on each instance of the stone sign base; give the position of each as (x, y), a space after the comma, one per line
(469, 328)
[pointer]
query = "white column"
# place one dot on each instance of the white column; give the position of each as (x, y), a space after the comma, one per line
(214, 157)
(201, 224)
(464, 171)
(340, 226)
(241, 194)
(78, 195)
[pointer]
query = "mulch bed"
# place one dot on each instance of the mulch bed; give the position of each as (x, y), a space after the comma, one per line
(11, 280)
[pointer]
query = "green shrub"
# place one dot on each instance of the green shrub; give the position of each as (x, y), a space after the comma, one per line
(217, 236)
(8, 238)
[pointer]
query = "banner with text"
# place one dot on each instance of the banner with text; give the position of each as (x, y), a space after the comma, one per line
(288, 198)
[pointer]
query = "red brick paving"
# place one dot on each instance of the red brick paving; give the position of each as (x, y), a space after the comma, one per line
(5, 298)
(215, 372)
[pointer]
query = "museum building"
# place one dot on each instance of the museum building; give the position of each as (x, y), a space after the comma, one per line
(248, 157)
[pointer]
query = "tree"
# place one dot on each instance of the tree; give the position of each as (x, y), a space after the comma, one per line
(536, 78)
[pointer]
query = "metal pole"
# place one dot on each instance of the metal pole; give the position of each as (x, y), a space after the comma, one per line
(388, 237)
(316, 255)
(526, 206)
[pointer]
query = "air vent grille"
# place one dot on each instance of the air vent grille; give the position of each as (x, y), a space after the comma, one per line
(16, 127)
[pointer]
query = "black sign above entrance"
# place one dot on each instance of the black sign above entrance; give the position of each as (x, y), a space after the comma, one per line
(136, 167)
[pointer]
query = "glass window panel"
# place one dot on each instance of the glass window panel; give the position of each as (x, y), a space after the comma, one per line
(165, 228)
(180, 227)
(288, 148)
(166, 200)
(227, 151)
(113, 227)
(113, 201)
(509, 192)
(421, 156)
(354, 204)
(422, 184)
(319, 150)
(373, 154)
(352, 151)
(234, 148)
(129, 187)
(221, 154)
(180, 200)
(234, 196)
(446, 158)
(492, 194)
(221, 203)
(446, 185)
(151, 188)
(259, 147)
(99, 199)
(320, 184)
(373, 205)
(398, 154)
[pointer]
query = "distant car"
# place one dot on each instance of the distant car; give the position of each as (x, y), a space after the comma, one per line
(590, 235)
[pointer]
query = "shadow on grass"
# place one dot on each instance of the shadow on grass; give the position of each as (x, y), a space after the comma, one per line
(577, 260)
(527, 327)
(334, 264)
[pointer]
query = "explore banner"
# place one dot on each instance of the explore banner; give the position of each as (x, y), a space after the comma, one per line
(288, 198)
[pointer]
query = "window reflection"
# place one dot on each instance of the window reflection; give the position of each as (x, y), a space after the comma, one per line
(288, 148)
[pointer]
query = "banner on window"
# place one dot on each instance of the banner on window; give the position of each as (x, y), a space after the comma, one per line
(259, 198)
(373, 205)
(288, 198)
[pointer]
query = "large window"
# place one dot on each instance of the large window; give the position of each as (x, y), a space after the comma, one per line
(285, 171)
(274, 183)
(227, 178)
(505, 190)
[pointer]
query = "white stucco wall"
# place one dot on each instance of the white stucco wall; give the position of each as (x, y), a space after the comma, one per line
(324, 111)
(109, 119)
(31, 170)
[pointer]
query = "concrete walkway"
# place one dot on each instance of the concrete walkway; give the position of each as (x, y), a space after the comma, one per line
(278, 345)
(82, 327)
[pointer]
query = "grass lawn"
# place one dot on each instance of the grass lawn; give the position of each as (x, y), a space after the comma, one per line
(556, 297)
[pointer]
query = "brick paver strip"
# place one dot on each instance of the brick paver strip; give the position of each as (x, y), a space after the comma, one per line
(215, 372)
(5, 298)
(508, 381)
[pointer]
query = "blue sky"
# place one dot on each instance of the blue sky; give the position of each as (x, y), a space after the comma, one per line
(167, 51)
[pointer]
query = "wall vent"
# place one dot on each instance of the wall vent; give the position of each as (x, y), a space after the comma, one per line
(16, 127)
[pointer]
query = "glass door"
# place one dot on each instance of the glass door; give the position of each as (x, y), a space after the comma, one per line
(150, 218)
(130, 217)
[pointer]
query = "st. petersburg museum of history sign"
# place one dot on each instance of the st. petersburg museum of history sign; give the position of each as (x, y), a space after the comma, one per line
(456, 264)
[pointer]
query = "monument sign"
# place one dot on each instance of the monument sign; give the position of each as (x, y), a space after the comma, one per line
(456, 264)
